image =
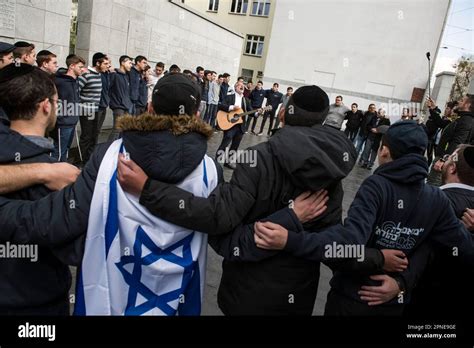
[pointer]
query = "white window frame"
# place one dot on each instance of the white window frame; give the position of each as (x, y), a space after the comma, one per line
(213, 6)
(256, 41)
(261, 6)
(244, 6)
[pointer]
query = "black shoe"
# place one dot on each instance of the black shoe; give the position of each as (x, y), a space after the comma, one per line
(369, 167)
(231, 166)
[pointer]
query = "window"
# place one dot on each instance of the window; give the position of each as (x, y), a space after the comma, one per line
(261, 7)
(247, 74)
(254, 45)
(213, 5)
(239, 6)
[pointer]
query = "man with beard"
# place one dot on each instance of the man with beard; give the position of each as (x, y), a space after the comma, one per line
(30, 98)
(442, 289)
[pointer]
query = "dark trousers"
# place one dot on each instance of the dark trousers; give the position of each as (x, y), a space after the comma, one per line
(63, 137)
(90, 130)
(340, 305)
(430, 150)
(252, 119)
(115, 134)
(369, 155)
(211, 114)
(351, 134)
(234, 136)
(271, 115)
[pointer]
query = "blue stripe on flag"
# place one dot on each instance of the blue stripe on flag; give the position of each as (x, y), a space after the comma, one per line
(111, 226)
(80, 306)
(205, 173)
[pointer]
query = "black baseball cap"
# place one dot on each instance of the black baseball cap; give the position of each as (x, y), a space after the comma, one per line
(175, 94)
(405, 137)
(6, 47)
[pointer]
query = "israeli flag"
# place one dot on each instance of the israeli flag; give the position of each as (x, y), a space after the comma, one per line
(137, 264)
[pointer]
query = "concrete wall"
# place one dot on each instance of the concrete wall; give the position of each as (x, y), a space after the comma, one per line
(442, 88)
(245, 24)
(158, 29)
(46, 23)
(366, 50)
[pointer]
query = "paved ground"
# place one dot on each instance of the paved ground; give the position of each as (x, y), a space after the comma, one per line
(351, 185)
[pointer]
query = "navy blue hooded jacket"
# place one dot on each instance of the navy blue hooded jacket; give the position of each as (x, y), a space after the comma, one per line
(68, 95)
(393, 209)
(135, 77)
(142, 94)
(105, 97)
(120, 91)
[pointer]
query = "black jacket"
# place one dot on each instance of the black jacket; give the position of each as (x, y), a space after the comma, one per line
(393, 209)
(294, 160)
(68, 95)
(223, 91)
(257, 97)
(456, 133)
(274, 99)
(446, 285)
(354, 120)
(32, 287)
(376, 137)
(366, 119)
(120, 91)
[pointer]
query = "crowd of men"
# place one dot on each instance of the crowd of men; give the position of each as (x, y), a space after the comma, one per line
(273, 223)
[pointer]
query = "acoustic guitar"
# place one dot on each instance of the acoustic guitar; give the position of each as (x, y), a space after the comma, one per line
(227, 120)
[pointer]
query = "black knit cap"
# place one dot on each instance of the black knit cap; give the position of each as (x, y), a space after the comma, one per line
(308, 106)
(12, 71)
(406, 137)
(175, 94)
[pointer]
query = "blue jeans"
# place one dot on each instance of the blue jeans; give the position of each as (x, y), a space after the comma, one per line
(62, 142)
(369, 155)
(359, 143)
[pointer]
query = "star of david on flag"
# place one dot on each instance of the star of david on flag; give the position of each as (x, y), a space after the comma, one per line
(135, 263)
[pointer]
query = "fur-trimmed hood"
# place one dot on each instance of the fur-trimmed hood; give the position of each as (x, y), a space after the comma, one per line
(178, 125)
(167, 148)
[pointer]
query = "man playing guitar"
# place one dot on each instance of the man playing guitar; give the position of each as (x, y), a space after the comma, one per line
(233, 101)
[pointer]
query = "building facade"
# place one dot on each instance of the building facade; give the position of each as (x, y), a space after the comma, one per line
(365, 50)
(252, 18)
(45, 23)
